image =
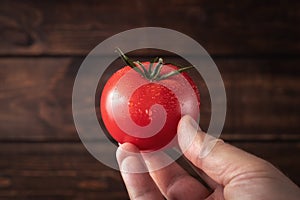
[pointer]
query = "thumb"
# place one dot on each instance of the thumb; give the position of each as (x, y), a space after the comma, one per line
(221, 161)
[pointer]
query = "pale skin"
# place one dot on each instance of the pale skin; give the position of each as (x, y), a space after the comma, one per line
(231, 173)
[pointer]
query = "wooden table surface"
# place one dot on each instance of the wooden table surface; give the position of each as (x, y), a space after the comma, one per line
(255, 44)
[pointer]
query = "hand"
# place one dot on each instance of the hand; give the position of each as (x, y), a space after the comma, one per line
(230, 172)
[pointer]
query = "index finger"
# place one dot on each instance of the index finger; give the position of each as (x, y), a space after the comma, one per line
(139, 185)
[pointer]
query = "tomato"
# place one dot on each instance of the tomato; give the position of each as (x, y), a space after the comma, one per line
(142, 103)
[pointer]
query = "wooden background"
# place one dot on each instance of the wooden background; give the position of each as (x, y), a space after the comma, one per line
(255, 44)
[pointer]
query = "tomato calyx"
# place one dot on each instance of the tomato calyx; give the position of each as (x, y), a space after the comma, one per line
(154, 71)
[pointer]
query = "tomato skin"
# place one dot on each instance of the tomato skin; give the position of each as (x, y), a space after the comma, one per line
(139, 105)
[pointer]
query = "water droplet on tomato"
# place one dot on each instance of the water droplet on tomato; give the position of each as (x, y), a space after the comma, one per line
(130, 103)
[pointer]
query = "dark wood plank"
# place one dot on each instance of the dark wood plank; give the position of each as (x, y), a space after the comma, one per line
(263, 98)
(60, 171)
(67, 171)
(36, 98)
(75, 27)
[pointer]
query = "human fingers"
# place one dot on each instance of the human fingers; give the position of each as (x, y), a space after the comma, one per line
(223, 162)
(241, 174)
(139, 185)
(173, 181)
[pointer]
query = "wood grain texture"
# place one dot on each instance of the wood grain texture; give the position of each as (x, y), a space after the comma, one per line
(36, 98)
(67, 171)
(263, 98)
(55, 171)
(255, 45)
(75, 27)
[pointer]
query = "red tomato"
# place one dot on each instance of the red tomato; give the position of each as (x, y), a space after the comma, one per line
(127, 103)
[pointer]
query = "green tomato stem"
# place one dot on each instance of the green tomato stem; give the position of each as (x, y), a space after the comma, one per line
(152, 75)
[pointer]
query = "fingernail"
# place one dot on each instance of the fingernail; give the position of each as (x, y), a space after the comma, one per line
(130, 159)
(187, 131)
(133, 164)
